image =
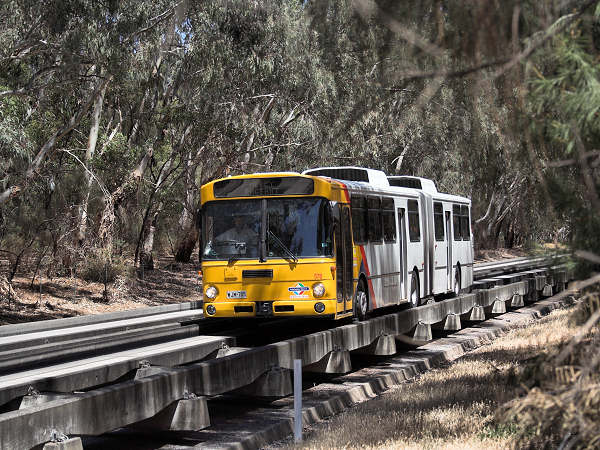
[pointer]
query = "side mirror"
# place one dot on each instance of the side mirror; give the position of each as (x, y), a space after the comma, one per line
(199, 218)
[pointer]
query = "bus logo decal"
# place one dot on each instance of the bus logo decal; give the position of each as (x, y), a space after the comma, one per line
(298, 291)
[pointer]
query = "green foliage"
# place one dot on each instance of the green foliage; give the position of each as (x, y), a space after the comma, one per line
(227, 87)
(565, 104)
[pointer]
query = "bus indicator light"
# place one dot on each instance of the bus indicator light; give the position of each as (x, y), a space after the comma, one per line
(319, 307)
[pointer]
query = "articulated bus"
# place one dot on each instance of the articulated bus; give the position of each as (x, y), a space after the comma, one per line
(331, 242)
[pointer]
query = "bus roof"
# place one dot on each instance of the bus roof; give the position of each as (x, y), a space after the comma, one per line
(322, 184)
(351, 173)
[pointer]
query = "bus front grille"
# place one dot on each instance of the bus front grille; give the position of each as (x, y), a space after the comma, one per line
(260, 273)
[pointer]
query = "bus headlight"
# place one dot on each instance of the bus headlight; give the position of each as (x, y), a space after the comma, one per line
(210, 309)
(211, 292)
(318, 290)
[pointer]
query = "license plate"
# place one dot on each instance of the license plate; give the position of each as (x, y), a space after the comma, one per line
(236, 294)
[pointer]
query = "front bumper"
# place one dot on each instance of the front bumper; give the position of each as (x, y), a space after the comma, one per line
(277, 308)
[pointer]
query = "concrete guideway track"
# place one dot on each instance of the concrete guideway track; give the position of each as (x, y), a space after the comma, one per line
(268, 423)
(136, 400)
(192, 308)
(38, 347)
(99, 370)
(491, 269)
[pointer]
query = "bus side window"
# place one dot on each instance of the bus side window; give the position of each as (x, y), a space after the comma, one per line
(438, 221)
(464, 223)
(414, 227)
(456, 222)
(359, 222)
(389, 220)
(375, 229)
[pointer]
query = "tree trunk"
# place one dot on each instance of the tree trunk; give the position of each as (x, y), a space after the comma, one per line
(188, 233)
(146, 259)
(6, 291)
(186, 244)
(89, 153)
(112, 201)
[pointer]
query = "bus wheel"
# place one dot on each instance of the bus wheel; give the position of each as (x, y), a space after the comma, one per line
(361, 302)
(415, 296)
(457, 281)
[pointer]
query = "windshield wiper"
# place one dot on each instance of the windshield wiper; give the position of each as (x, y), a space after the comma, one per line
(283, 246)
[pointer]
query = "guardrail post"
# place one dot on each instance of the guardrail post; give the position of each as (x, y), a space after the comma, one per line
(297, 400)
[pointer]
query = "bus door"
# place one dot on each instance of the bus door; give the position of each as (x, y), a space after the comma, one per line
(344, 259)
(449, 251)
(402, 250)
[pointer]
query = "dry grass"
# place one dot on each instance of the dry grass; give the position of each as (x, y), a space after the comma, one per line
(562, 406)
(452, 407)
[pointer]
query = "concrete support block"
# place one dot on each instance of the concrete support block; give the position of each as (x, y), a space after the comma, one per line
(477, 313)
(226, 351)
(452, 322)
(547, 291)
(499, 306)
(336, 361)
(146, 370)
(517, 301)
(384, 345)
(423, 332)
(276, 382)
(66, 444)
(540, 282)
(534, 296)
(188, 414)
(36, 399)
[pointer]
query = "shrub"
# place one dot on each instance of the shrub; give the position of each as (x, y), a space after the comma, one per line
(562, 404)
(103, 268)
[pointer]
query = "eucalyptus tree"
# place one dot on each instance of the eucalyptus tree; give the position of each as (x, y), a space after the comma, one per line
(437, 88)
(58, 63)
(564, 101)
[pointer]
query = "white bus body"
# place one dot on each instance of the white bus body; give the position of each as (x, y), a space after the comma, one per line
(412, 229)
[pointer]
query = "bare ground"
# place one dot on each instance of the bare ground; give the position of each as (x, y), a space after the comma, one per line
(498, 254)
(59, 297)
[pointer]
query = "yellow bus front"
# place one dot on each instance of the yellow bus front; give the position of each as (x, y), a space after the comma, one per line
(268, 248)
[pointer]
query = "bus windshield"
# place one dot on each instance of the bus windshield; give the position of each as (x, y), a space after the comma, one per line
(296, 228)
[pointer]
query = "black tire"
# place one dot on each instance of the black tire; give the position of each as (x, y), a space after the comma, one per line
(415, 290)
(361, 301)
(457, 281)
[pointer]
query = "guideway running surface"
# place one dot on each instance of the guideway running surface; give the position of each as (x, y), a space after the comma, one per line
(18, 341)
(89, 372)
(133, 401)
(194, 308)
(18, 351)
